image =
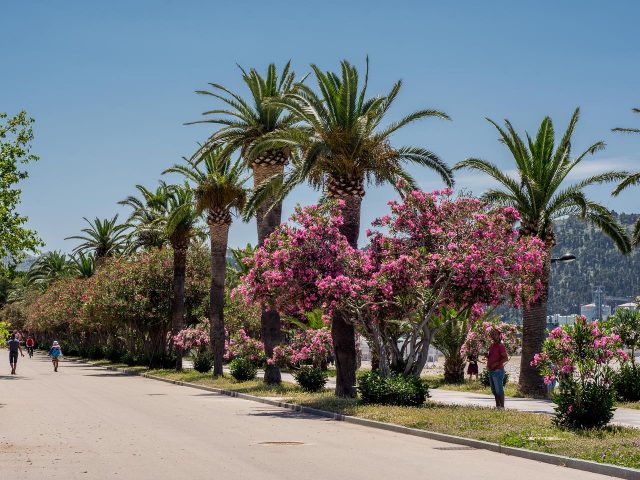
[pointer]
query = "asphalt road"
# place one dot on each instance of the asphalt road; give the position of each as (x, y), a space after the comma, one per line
(88, 423)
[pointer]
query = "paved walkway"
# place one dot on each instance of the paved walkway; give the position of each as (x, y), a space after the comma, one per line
(85, 422)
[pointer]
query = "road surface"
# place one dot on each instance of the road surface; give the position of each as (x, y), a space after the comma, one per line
(85, 422)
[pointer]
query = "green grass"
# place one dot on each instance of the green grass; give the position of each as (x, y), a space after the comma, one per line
(254, 387)
(437, 381)
(632, 405)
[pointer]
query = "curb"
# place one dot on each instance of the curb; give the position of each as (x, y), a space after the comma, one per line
(559, 460)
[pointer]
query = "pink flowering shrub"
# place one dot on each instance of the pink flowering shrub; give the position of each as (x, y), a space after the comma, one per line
(436, 251)
(479, 338)
(306, 347)
(193, 337)
(581, 358)
(243, 346)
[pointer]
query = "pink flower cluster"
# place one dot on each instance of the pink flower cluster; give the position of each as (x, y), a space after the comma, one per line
(243, 346)
(464, 250)
(193, 337)
(583, 352)
(479, 338)
(306, 346)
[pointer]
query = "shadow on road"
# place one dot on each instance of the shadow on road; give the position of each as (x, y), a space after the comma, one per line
(13, 377)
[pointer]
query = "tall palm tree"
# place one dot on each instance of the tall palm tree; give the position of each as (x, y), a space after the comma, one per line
(147, 232)
(629, 181)
(219, 191)
(180, 225)
(243, 123)
(343, 147)
(540, 193)
(103, 237)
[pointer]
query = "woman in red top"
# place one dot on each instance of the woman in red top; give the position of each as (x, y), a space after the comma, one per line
(495, 365)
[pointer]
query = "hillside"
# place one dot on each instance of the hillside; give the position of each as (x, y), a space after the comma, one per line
(598, 263)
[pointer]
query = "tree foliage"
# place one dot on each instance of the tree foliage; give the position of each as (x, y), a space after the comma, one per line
(16, 135)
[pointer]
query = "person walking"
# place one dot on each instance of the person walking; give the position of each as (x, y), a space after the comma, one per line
(496, 359)
(30, 344)
(14, 348)
(55, 353)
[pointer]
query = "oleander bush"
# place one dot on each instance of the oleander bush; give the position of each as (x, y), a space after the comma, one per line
(243, 369)
(396, 389)
(310, 378)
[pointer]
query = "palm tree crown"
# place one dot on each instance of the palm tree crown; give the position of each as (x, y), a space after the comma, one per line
(104, 237)
(243, 122)
(341, 138)
(219, 186)
(630, 180)
(144, 218)
(537, 190)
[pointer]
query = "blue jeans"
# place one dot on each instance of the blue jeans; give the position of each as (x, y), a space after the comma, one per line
(496, 379)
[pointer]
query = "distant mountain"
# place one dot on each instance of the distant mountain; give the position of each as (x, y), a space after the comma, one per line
(598, 263)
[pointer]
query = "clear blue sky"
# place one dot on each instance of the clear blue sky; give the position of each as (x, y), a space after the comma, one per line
(110, 84)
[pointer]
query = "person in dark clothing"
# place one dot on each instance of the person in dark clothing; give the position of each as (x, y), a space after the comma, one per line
(14, 348)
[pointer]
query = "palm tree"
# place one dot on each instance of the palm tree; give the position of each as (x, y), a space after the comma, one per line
(219, 191)
(629, 181)
(48, 268)
(244, 123)
(539, 192)
(144, 218)
(104, 237)
(83, 266)
(180, 225)
(343, 146)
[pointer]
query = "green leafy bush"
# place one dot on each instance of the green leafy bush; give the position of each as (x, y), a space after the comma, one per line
(484, 378)
(588, 405)
(113, 354)
(128, 358)
(202, 361)
(394, 390)
(310, 379)
(243, 369)
(627, 383)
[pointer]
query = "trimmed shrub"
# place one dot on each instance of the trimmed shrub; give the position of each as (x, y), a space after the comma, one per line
(243, 369)
(394, 390)
(583, 406)
(484, 378)
(128, 358)
(310, 379)
(627, 383)
(202, 361)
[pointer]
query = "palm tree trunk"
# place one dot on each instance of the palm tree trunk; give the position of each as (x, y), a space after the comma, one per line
(177, 303)
(342, 331)
(454, 368)
(219, 235)
(534, 324)
(267, 221)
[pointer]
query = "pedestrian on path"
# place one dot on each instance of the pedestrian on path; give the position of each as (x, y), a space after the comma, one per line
(55, 353)
(14, 348)
(495, 364)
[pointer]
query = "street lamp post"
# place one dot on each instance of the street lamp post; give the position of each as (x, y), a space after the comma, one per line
(567, 257)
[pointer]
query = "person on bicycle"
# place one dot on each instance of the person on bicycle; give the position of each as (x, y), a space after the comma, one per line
(30, 344)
